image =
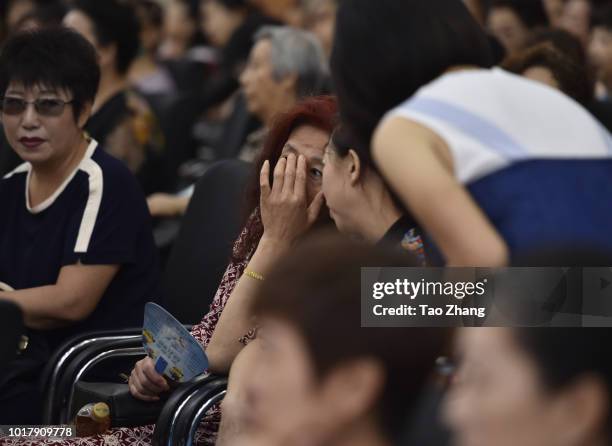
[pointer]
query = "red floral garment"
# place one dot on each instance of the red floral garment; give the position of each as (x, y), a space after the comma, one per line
(142, 435)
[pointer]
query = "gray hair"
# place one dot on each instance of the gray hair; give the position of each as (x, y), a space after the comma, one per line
(297, 52)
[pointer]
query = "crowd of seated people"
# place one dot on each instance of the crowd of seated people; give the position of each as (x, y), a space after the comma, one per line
(387, 132)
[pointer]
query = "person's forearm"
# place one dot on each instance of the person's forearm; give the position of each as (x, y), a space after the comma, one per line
(236, 318)
(43, 307)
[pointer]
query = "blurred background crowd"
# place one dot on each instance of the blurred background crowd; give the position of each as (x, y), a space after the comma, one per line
(185, 83)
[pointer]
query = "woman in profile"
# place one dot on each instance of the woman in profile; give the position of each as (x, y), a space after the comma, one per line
(361, 204)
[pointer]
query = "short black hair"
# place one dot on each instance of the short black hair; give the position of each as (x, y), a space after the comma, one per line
(54, 57)
(342, 141)
(531, 13)
(385, 50)
(114, 23)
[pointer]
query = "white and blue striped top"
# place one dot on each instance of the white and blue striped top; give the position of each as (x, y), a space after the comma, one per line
(536, 161)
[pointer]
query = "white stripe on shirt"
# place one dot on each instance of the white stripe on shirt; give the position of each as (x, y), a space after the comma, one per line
(25, 167)
(90, 215)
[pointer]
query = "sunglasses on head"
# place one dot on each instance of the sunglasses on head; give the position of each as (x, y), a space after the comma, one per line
(44, 107)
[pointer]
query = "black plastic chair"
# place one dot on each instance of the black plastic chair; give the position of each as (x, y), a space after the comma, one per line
(203, 247)
(179, 420)
(177, 115)
(11, 321)
(53, 385)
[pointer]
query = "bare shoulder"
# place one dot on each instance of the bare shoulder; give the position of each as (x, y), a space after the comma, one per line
(400, 133)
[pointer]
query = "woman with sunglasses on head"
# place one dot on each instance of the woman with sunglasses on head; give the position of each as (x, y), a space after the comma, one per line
(75, 233)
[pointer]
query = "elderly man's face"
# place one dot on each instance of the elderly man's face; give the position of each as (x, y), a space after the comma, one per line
(266, 96)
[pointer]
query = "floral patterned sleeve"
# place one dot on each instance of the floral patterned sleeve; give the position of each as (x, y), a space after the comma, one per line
(142, 435)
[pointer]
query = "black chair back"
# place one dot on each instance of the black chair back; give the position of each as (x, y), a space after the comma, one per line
(203, 247)
(177, 114)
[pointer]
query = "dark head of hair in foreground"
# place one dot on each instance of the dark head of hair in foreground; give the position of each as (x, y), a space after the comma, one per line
(56, 58)
(317, 291)
(113, 23)
(385, 50)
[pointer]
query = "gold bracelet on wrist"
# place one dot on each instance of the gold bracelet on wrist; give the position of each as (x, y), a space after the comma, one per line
(254, 275)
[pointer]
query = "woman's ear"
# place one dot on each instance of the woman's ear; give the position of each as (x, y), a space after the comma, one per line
(289, 83)
(354, 167)
(84, 115)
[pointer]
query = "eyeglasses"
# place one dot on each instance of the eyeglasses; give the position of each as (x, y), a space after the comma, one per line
(44, 107)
